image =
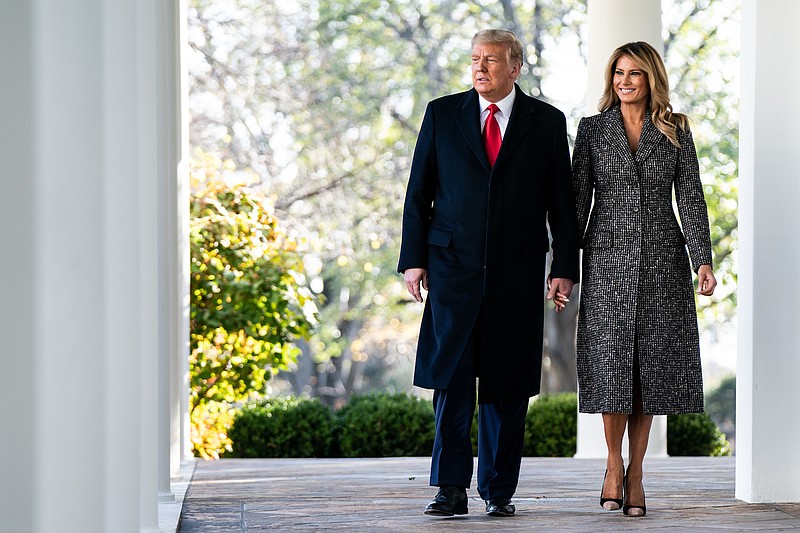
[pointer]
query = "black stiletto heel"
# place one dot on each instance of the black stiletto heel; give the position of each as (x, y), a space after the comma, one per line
(633, 510)
(611, 501)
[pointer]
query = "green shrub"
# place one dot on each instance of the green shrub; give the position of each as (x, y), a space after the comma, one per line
(695, 434)
(284, 427)
(386, 425)
(721, 406)
(381, 425)
(551, 426)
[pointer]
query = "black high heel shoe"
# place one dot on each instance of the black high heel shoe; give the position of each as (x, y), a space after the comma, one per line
(633, 510)
(613, 503)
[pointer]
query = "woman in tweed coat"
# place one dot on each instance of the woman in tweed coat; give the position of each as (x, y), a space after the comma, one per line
(638, 345)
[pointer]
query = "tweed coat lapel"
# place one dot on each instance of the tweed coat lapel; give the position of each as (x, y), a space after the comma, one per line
(648, 139)
(469, 121)
(614, 132)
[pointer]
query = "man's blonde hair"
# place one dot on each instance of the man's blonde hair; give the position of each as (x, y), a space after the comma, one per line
(503, 37)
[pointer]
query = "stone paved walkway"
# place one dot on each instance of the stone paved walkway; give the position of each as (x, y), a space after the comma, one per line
(389, 494)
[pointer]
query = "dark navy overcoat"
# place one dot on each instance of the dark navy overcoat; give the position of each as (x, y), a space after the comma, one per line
(482, 235)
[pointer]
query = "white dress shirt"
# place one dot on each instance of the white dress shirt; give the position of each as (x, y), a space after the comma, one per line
(505, 105)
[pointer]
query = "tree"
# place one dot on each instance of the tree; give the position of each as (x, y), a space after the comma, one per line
(341, 86)
(701, 53)
(323, 99)
(248, 300)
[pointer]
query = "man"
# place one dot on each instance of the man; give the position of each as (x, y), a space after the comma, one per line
(484, 183)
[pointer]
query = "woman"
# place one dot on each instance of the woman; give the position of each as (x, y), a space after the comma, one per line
(638, 343)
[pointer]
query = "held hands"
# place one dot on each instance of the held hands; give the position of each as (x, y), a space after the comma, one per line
(415, 277)
(558, 290)
(706, 282)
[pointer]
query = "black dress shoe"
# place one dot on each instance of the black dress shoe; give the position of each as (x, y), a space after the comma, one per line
(500, 507)
(449, 501)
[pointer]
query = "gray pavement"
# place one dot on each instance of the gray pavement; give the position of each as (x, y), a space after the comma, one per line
(389, 494)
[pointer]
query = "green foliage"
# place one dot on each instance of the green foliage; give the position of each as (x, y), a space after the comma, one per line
(248, 302)
(695, 434)
(209, 428)
(323, 101)
(381, 425)
(386, 425)
(721, 406)
(701, 54)
(551, 426)
(284, 427)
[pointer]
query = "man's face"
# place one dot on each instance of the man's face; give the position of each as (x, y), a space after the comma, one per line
(493, 75)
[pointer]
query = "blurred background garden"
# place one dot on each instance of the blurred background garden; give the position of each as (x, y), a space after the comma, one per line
(303, 118)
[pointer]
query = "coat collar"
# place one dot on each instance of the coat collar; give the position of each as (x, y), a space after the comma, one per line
(614, 131)
(519, 122)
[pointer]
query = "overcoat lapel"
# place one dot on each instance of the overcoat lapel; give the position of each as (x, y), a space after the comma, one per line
(469, 120)
(519, 123)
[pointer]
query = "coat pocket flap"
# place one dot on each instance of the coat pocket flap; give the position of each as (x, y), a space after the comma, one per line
(599, 238)
(439, 236)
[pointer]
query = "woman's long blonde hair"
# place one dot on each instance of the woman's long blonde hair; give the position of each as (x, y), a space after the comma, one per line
(649, 61)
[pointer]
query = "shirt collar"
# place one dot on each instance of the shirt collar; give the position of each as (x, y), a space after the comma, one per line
(505, 105)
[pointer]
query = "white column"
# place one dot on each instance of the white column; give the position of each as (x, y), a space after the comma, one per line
(18, 310)
(130, 179)
(167, 82)
(613, 23)
(78, 315)
(181, 443)
(153, 147)
(768, 366)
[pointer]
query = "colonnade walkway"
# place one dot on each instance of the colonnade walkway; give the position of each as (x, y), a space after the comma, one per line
(388, 494)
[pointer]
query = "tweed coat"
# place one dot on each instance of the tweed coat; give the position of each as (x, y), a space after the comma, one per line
(637, 293)
(481, 233)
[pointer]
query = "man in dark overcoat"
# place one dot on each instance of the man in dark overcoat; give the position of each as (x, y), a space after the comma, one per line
(491, 169)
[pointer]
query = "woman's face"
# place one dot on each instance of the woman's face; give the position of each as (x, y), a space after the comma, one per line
(630, 82)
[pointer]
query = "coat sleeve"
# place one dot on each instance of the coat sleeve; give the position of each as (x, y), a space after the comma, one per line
(691, 203)
(420, 193)
(561, 210)
(582, 177)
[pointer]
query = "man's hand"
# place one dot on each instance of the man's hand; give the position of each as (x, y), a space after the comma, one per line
(559, 290)
(414, 278)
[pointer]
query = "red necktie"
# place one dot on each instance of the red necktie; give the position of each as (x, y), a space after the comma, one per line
(491, 135)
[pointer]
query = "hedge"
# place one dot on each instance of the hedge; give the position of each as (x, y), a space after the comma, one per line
(393, 425)
(695, 434)
(551, 426)
(284, 427)
(386, 425)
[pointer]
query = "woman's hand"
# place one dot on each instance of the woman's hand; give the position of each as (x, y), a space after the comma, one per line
(706, 282)
(558, 290)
